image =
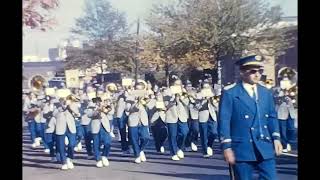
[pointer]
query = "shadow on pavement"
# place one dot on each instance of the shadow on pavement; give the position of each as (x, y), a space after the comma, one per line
(192, 165)
(189, 175)
(40, 161)
(38, 166)
(36, 154)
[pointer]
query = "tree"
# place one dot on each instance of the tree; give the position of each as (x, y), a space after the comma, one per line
(105, 27)
(202, 32)
(117, 55)
(36, 14)
(156, 57)
(100, 21)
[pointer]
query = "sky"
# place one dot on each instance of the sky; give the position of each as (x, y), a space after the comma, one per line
(38, 42)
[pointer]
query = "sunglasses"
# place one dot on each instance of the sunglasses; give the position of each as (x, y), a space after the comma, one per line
(254, 71)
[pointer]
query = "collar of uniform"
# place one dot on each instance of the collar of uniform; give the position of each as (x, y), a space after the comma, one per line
(248, 87)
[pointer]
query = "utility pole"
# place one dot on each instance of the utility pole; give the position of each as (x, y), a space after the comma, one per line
(136, 52)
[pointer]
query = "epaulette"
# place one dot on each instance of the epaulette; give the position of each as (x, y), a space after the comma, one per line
(229, 86)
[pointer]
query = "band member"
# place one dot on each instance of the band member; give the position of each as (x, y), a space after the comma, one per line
(176, 118)
(86, 126)
(138, 124)
(208, 121)
(193, 121)
(31, 110)
(76, 98)
(41, 122)
(286, 113)
(115, 103)
(66, 127)
(100, 126)
(47, 111)
(110, 93)
(157, 117)
(121, 117)
(50, 136)
(248, 126)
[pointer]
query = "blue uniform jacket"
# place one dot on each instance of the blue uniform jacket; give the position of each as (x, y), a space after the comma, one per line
(239, 125)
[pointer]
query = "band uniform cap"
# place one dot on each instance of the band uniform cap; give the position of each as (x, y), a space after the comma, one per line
(250, 60)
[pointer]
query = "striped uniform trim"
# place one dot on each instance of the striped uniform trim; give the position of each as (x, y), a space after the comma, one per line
(226, 141)
(253, 63)
(276, 134)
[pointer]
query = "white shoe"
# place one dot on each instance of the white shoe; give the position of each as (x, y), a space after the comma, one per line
(194, 147)
(143, 156)
(37, 142)
(288, 147)
(38, 139)
(206, 156)
(47, 151)
(112, 135)
(175, 158)
(69, 163)
(79, 146)
(66, 141)
(34, 145)
(162, 149)
(285, 150)
(76, 149)
(105, 161)
(137, 160)
(64, 167)
(180, 154)
(99, 164)
(209, 151)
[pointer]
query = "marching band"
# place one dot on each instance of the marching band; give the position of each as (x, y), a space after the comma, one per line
(181, 114)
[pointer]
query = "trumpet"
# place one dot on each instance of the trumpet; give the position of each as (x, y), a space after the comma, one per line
(73, 98)
(143, 100)
(75, 115)
(215, 99)
(104, 108)
(191, 96)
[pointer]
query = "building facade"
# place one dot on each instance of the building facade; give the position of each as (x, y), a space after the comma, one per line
(46, 70)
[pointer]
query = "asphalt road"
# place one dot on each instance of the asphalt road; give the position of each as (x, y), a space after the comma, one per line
(36, 166)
